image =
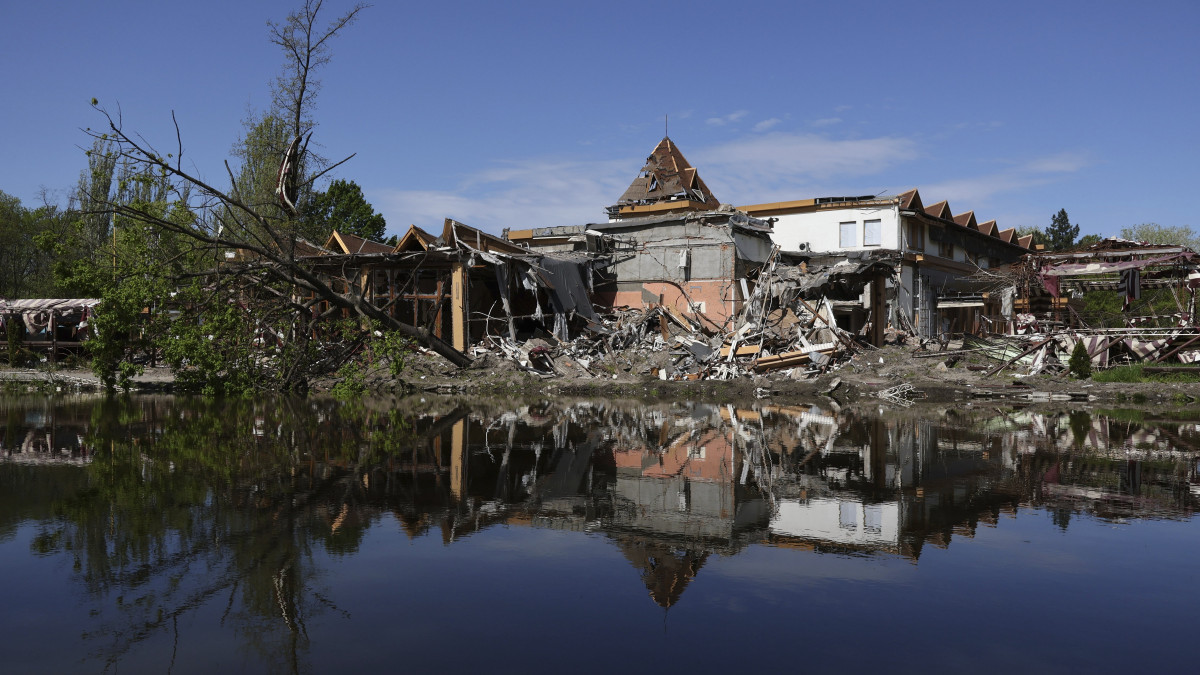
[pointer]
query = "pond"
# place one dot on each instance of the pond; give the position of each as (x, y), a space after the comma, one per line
(188, 535)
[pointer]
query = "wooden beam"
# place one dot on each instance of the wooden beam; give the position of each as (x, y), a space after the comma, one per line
(458, 305)
(878, 309)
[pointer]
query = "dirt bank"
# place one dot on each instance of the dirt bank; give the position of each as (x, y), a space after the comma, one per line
(934, 377)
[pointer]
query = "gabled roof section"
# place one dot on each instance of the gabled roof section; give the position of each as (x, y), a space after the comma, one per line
(989, 228)
(911, 201)
(304, 247)
(667, 177)
(415, 239)
(1008, 235)
(940, 210)
(967, 220)
(462, 236)
(352, 244)
(1026, 241)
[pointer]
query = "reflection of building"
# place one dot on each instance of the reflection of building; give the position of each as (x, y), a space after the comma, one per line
(684, 490)
(47, 435)
(666, 570)
(840, 521)
(671, 485)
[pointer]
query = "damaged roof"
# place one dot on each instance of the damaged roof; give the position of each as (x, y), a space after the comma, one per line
(349, 243)
(737, 220)
(909, 201)
(667, 177)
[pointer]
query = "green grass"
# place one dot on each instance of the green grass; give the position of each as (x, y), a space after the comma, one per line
(1133, 373)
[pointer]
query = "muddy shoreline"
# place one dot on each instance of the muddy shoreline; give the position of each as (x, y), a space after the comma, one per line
(862, 377)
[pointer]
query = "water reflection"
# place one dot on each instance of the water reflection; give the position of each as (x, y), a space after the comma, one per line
(168, 507)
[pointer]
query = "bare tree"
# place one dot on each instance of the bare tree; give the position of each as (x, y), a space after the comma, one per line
(269, 266)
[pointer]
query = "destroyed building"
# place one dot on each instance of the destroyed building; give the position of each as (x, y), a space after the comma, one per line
(55, 326)
(934, 253)
(693, 263)
(669, 242)
(464, 284)
(1142, 308)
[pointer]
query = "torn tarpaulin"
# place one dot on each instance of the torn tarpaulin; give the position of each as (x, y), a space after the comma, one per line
(563, 281)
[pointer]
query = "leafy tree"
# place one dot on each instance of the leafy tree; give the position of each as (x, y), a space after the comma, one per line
(1153, 233)
(343, 207)
(1039, 237)
(1061, 233)
(137, 280)
(1089, 239)
(264, 140)
(24, 266)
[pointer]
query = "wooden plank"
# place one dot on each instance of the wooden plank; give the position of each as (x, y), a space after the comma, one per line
(744, 350)
(458, 305)
(787, 360)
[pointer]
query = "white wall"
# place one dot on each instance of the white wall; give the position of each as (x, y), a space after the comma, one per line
(845, 521)
(821, 230)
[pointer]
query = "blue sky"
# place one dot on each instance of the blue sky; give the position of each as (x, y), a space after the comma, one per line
(532, 114)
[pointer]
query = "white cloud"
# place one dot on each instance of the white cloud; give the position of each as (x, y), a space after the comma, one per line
(1064, 162)
(767, 124)
(518, 194)
(768, 166)
(980, 189)
(827, 121)
(543, 192)
(727, 119)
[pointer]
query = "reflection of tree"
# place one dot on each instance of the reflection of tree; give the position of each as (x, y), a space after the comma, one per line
(188, 503)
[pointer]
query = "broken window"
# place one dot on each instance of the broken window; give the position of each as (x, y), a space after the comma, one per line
(916, 235)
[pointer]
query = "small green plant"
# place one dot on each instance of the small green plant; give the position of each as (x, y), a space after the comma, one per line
(1080, 363)
(351, 383)
(393, 347)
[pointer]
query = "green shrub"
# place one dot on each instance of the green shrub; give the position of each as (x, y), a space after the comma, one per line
(1080, 364)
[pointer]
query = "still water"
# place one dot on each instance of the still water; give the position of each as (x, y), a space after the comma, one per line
(165, 534)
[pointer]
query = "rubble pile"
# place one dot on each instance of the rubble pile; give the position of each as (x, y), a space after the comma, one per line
(1048, 352)
(660, 342)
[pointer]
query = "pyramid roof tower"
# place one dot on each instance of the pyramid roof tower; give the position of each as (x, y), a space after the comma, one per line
(666, 183)
(666, 570)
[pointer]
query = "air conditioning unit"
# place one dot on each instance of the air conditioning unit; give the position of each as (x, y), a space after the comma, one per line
(802, 246)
